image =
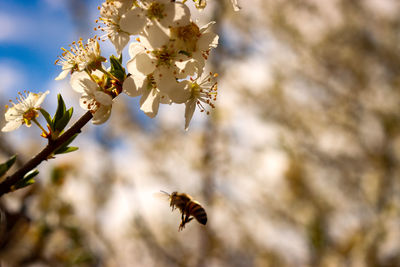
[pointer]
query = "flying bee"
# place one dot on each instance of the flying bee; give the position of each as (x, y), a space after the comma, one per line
(188, 207)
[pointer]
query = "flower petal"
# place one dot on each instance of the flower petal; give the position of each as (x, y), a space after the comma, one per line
(133, 21)
(135, 48)
(12, 125)
(40, 98)
(144, 64)
(165, 80)
(207, 40)
(119, 41)
(76, 81)
(103, 98)
(14, 112)
(101, 115)
(86, 102)
(154, 36)
(189, 110)
(150, 102)
(130, 87)
(180, 93)
(63, 74)
(206, 27)
(178, 14)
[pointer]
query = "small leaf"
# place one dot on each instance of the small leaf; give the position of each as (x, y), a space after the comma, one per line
(60, 109)
(64, 147)
(116, 68)
(47, 116)
(66, 150)
(4, 167)
(61, 123)
(27, 180)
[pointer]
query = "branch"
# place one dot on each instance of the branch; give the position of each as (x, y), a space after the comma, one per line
(5, 186)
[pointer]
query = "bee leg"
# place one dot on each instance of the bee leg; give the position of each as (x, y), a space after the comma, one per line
(187, 219)
(181, 226)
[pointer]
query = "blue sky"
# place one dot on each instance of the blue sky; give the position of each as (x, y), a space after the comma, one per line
(30, 40)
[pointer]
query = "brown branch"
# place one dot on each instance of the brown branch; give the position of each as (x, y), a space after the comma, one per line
(5, 186)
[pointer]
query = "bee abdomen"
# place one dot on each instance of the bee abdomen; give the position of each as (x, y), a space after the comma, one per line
(198, 212)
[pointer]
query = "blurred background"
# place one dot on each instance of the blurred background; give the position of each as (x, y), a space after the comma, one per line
(297, 166)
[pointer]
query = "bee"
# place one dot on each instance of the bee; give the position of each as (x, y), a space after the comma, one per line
(188, 207)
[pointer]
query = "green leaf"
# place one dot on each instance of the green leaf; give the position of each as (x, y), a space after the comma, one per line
(66, 150)
(65, 146)
(61, 109)
(61, 123)
(27, 180)
(116, 68)
(4, 167)
(47, 116)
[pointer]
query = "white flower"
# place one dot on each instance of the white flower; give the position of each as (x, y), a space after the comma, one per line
(110, 15)
(194, 42)
(167, 13)
(163, 61)
(79, 57)
(24, 111)
(165, 67)
(203, 92)
(93, 98)
(151, 96)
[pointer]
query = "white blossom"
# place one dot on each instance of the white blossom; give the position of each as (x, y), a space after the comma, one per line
(165, 12)
(203, 92)
(79, 57)
(23, 111)
(110, 15)
(93, 98)
(151, 96)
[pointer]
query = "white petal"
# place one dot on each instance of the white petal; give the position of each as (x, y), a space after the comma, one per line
(119, 41)
(40, 98)
(14, 112)
(103, 98)
(89, 86)
(133, 21)
(129, 86)
(85, 101)
(76, 81)
(63, 74)
(150, 102)
(11, 125)
(101, 115)
(165, 80)
(135, 48)
(154, 36)
(189, 110)
(186, 68)
(144, 64)
(207, 40)
(180, 93)
(178, 14)
(200, 62)
(206, 27)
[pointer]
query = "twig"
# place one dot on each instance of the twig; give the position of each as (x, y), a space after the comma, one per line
(5, 186)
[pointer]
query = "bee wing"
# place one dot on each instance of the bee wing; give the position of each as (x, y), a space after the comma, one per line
(161, 195)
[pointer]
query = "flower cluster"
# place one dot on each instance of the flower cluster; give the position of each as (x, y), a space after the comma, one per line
(168, 55)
